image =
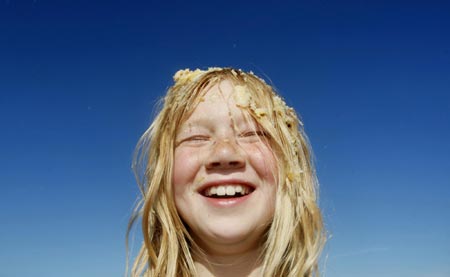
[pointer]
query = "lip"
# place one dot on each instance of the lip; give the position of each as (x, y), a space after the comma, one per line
(226, 202)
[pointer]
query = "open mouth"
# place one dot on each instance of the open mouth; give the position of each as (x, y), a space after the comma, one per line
(227, 191)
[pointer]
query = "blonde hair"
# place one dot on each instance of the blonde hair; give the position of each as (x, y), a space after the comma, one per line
(295, 237)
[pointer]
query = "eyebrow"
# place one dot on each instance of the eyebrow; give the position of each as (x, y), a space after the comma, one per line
(186, 126)
(197, 121)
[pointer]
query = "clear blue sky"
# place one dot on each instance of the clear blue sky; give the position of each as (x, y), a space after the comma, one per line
(79, 79)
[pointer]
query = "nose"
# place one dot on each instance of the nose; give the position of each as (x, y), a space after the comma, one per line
(225, 155)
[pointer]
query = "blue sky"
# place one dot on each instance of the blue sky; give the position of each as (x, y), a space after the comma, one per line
(79, 80)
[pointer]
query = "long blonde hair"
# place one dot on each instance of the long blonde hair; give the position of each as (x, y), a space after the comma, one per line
(294, 239)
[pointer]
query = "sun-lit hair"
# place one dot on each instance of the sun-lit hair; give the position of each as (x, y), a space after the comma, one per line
(294, 239)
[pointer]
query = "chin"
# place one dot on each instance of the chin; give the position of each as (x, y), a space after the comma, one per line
(232, 236)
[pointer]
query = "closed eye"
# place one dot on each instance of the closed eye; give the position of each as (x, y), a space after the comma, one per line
(255, 133)
(197, 139)
(254, 136)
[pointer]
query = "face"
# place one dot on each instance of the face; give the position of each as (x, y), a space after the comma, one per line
(224, 174)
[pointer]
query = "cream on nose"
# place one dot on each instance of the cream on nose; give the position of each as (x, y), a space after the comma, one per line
(225, 154)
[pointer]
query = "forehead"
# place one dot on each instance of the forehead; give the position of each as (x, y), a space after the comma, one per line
(221, 92)
(220, 101)
(216, 101)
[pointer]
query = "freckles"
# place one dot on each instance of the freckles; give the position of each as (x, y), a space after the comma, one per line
(187, 165)
(264, 161)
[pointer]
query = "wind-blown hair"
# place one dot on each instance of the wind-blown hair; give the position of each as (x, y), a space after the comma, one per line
(294, 239)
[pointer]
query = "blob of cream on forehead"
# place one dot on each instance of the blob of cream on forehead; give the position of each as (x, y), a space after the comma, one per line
(243, 99)
(242, 96)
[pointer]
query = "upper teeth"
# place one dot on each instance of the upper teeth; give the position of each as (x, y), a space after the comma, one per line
(226, 190)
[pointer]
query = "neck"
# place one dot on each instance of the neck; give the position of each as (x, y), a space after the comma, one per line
(229, 265)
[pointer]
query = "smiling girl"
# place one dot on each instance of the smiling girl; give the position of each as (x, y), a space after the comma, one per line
(228, 186)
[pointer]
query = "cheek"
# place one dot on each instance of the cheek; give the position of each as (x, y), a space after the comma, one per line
(186, 165)
(264, 162)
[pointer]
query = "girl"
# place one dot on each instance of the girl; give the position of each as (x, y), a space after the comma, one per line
(228, 186)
